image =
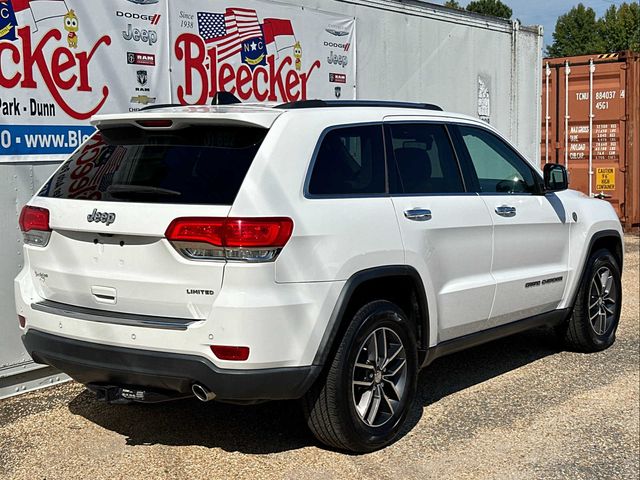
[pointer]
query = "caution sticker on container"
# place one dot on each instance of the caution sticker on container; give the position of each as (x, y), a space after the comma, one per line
(605, 178)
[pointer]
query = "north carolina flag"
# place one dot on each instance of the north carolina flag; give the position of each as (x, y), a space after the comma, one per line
(278, 33)
(30, 12)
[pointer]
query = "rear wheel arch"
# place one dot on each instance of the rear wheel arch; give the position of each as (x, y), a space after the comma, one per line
(399, 284)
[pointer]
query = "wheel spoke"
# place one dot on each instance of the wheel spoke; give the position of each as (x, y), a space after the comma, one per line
(368, 398)
(604, 277)
(387, 400)
(609, 283)
(375, 348)
(393, 387)
(392, 357)
(595, 284)
(402, 363)
(363, 383)
(608, 308)
(603, 322)
(375, 406)
(365, 365)
(594, 303)
(384, 347)
(592, 317)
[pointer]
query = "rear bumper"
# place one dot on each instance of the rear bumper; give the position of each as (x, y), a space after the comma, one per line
(97, 364)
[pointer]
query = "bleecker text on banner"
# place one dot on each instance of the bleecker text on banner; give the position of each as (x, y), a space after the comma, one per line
(260, 51)
(63, 61)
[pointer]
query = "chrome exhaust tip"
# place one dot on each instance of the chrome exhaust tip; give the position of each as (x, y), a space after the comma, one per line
(202, 393)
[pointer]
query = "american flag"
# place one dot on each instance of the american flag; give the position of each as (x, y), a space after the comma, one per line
(226, 31)
(102, 176)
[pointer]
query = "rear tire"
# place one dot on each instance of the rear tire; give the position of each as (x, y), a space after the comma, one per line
(596, 313)
(362, 401)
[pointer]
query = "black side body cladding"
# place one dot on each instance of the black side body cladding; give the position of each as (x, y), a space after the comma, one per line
(555, 317)
(336, 319)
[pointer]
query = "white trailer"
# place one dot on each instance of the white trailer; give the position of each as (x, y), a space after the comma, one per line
(404, 50)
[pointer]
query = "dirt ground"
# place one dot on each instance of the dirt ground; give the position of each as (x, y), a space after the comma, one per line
(514, 408)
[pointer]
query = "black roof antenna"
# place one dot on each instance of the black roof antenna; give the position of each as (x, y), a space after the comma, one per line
(224, 98)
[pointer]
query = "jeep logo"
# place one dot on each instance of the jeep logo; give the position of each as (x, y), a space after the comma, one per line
(140, 35)
(334, 59)
(101, 217)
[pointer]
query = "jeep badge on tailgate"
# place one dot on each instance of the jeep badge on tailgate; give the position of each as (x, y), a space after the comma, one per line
(105, 217)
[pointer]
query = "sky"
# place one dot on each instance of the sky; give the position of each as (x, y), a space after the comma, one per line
(546, 12)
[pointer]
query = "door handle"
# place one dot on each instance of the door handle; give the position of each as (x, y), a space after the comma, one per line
(506, 211)
(418, 214)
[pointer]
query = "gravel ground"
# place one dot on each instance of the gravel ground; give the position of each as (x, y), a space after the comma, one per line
(514, 408)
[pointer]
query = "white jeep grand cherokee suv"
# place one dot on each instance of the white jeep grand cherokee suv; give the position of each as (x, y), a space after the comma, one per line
(317, 250)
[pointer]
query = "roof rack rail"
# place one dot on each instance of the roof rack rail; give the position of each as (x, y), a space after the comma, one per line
(356, 103)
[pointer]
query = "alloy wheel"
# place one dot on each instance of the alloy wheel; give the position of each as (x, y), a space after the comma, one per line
(379, 377)
(603, 296)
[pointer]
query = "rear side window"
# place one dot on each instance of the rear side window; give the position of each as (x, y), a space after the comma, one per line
(425, 161)
(350, 161)
(193, 165)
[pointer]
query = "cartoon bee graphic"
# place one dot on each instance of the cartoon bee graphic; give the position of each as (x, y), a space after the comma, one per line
(71, 25)
(297, 54)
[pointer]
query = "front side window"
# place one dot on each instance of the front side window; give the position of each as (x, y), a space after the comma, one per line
(350, 161)
(498, 167)
(424, 159)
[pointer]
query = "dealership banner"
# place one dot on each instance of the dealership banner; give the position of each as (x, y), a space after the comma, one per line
(63, 61)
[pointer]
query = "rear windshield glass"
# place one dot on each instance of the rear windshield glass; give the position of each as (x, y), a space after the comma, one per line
(194, 165)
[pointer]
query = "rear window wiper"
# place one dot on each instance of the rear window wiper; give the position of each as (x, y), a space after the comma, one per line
(122, 190)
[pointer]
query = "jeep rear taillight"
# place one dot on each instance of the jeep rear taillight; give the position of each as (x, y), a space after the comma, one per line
(244, 239)
(34, 223)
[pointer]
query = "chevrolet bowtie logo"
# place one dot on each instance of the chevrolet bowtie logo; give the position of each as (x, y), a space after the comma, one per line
(143, 99)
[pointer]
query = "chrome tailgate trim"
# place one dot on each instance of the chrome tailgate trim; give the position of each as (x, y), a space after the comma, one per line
(118, 318)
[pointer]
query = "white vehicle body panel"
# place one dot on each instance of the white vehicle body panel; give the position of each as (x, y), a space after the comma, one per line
(528, 247)
(456, 272)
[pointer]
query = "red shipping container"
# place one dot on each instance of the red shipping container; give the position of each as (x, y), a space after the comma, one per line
(590, 123)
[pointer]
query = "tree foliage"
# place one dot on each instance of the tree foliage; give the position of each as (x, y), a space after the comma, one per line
(620, 28)
(487, 7)
(490, 7)
(578, 32)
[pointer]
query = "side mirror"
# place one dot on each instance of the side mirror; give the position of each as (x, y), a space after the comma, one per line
(556, 177)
